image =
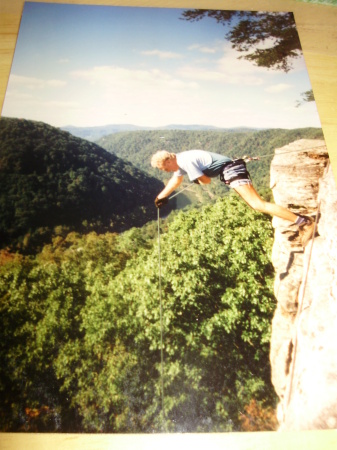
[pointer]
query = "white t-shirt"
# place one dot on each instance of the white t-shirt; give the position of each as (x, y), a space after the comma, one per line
(192, 163)
(196, 163)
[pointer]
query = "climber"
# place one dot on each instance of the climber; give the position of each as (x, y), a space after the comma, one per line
(201, 166)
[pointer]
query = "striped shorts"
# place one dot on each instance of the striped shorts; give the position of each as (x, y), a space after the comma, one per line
(235, 174)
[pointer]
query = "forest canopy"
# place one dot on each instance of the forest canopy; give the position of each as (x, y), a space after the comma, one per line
(137, 147)
(49, 178)
(80, 329)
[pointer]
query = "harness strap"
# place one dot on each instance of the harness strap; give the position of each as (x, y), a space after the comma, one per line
(230, 165)
(238, 177)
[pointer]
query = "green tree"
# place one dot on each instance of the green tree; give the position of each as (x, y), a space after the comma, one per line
(250, 32)
(80, 331)
(49, 178)
(41, 305)
(217, 307)
(307, 96)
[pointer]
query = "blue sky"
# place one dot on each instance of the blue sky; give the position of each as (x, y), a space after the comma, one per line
(96, 65)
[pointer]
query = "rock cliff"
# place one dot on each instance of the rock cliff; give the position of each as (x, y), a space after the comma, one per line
(304, 329)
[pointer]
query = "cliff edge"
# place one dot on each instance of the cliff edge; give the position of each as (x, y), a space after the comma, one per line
(304, 329)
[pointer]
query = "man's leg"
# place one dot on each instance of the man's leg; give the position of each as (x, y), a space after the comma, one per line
(252, 198)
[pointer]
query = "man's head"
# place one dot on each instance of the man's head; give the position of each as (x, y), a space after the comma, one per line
(164, 160)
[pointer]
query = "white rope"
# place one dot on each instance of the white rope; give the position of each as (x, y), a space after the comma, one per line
(181, 191)
(300, 309)
(161, 326)
(283, 153)
(299, 312)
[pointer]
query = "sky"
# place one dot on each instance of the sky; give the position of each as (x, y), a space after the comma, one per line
(97, 65)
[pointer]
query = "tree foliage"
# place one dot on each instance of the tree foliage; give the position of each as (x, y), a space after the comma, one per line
(268, 39)
(80, 318)
(49, 178)
(139, 146)
(307, 96)
(53, 183)
(80, 328)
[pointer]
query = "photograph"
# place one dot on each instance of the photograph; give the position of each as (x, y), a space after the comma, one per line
(168, 225)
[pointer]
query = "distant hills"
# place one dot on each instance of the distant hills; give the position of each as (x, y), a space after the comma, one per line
(95, 133)
(49, 178)
(138, 146)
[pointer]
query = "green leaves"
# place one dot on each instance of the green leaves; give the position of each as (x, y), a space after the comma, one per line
(81, 326)
(217, 307)
(251, 29)
(49, 178)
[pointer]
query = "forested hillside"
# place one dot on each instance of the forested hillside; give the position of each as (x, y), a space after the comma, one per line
(79, 288)
(139, 146)
(80, 329)
(95, 133)
(49, 178)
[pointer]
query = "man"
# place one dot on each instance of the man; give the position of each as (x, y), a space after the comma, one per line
(201, 166)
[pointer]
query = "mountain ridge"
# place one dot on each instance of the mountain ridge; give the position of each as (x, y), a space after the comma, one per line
(50, 178)
(96, 132)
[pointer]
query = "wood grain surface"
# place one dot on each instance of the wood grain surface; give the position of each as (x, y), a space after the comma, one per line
(317, 26)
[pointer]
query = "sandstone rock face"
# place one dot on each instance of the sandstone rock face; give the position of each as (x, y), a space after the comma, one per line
(304, 329)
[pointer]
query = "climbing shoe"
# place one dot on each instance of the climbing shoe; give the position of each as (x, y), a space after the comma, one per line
(306, 230)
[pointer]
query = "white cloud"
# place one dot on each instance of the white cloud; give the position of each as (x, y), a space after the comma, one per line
(228, 69)
(161, 54)
(221, 93)
(276, 88)
(202, 48)
(224, 76)
(32, 83)
(23, 100)
(14, 94)
(117, 94)
(107, 94)
(118, 79)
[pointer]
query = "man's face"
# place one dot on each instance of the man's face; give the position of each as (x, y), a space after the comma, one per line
(169, 165)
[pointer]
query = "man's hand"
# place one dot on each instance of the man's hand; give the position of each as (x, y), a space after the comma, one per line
(159, 202)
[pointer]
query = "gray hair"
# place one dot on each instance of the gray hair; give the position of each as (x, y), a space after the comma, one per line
(159, 158)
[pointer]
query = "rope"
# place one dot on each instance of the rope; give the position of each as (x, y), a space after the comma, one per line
(255, 158)
(161, 326)
(300, 305)
(299, 312)
(283, 153)
(181, 190)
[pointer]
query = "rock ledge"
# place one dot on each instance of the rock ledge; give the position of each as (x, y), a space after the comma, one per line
(304, 330)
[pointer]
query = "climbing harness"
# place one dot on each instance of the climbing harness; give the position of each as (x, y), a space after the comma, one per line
(233, 171)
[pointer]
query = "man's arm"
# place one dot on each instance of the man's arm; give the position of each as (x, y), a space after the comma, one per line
(204, 179)
(172, 184)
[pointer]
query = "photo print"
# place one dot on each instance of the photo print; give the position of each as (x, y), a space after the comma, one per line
(127, 311)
